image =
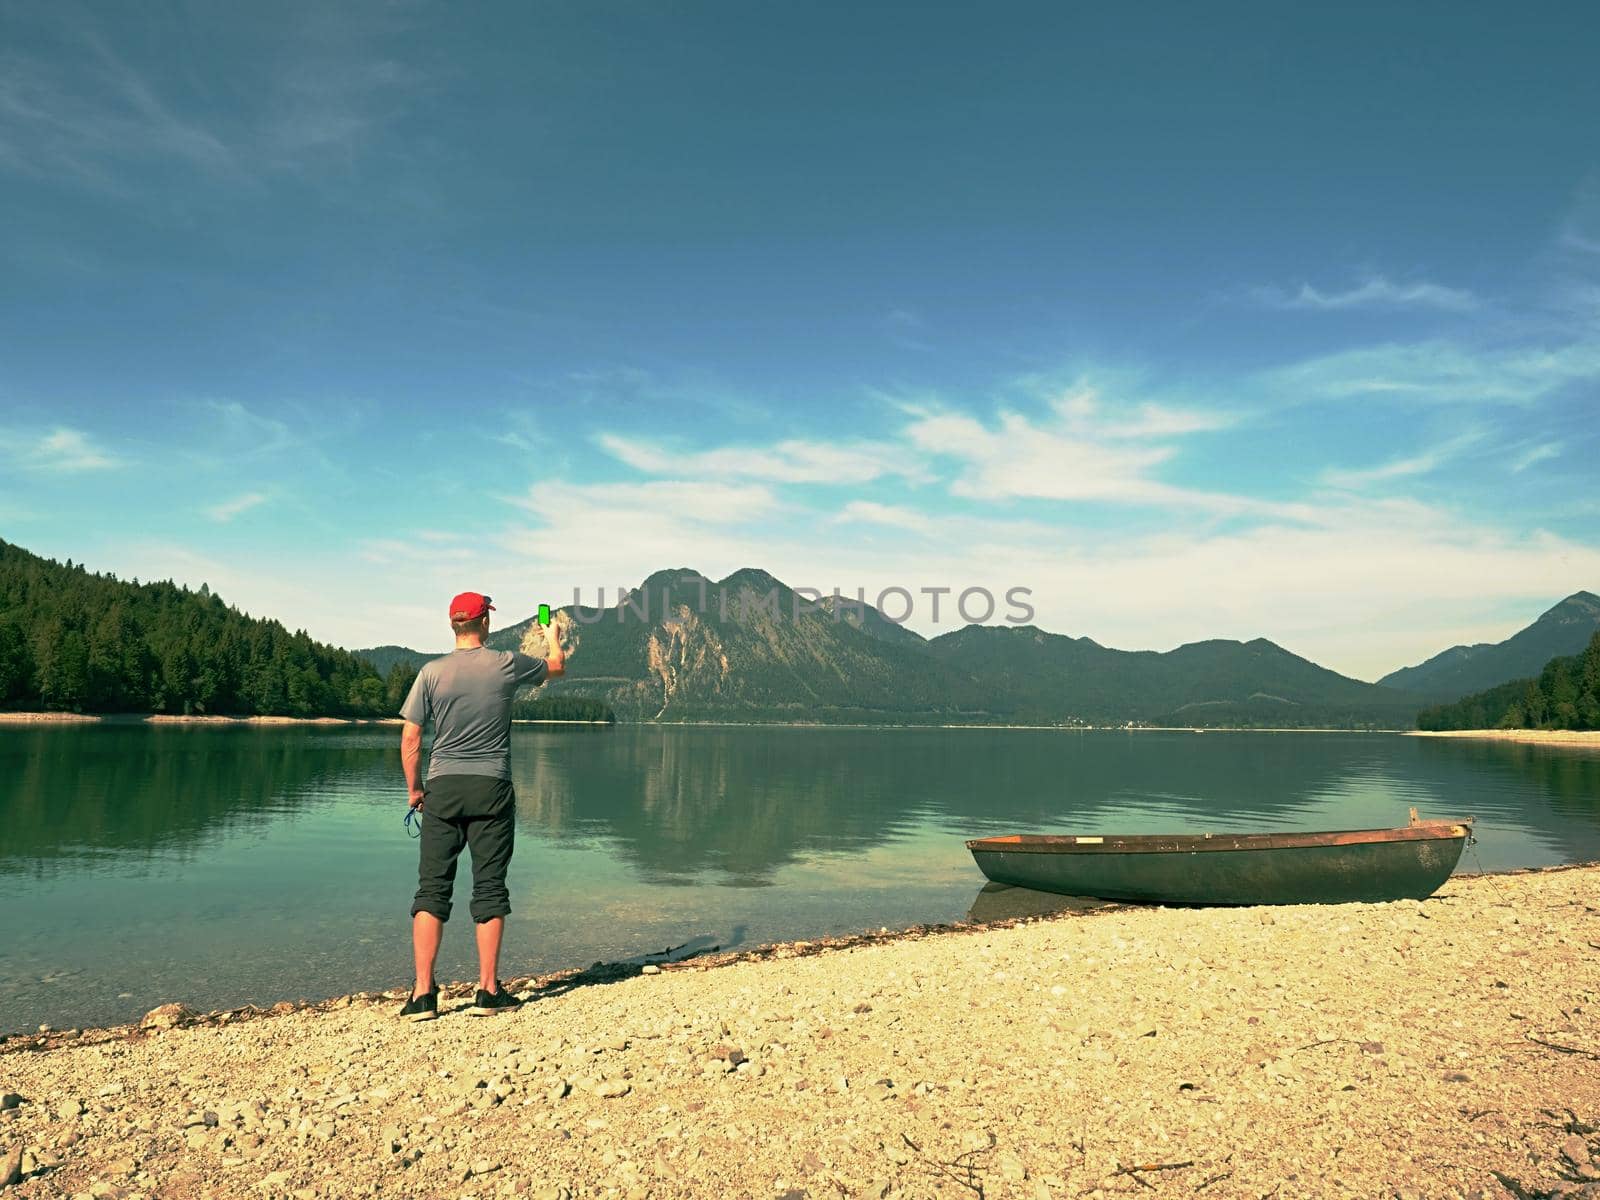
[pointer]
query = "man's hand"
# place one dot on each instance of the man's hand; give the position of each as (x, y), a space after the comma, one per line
(555, 658)
(417, 797)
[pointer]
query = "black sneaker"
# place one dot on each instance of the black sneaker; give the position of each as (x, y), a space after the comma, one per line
(487, 1004)
(422, 1008)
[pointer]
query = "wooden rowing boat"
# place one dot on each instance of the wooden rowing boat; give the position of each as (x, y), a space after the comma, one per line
(1366, 865)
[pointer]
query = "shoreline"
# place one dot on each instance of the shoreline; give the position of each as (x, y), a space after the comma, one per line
(1002, 725)
(1533, 737)
(52, 718)
(713, 958)
(64, 718)
(1402, 1048)
(557, 721)
(1551, 737)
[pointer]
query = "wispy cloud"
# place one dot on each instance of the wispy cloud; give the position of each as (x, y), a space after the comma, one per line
(229, 509)
(591, 534)
(1086, 408)
(241, 432)
(1374, 292)
(89, 128)
(892, 516)
(1535, 454)
(79, 108)
(1436, 372)
(793, 461)
(62, 450)
(1077, 456)
(1092, 439)
(1359, 479)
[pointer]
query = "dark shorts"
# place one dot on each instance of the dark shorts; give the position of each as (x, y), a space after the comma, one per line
(472, 811)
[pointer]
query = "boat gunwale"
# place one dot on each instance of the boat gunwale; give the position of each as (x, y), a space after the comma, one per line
(1156, 843)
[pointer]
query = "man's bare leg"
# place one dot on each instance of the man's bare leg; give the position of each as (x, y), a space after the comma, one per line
(489, 934)
(426, 933)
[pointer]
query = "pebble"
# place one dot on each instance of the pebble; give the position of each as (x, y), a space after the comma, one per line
(167, 1016)
(11, 1168)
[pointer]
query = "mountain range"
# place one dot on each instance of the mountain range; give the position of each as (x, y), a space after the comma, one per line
(684, 647)
(1561, 631)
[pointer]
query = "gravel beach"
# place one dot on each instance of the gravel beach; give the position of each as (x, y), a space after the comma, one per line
(1447, 1048)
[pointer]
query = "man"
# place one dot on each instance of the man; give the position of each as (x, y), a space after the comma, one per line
(467, 800)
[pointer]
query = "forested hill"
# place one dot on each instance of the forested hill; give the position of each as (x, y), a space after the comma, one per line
(384, 658)
(1561, 631)
(1566, 695)
(75, 641)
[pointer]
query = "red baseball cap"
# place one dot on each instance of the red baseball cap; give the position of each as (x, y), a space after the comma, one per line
(469, 606)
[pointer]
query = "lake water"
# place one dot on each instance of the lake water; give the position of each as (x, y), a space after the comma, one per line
(233, 865)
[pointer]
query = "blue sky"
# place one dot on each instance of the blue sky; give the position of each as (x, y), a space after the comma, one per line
(1228, 320)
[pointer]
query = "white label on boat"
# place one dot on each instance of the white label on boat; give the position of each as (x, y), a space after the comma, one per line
(1090, 841)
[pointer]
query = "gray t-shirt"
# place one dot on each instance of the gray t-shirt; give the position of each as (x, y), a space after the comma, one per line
(467, 695)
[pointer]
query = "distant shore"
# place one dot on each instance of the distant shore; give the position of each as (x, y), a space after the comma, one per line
(1554, 737)
(1002, 725)
(1547, 737)
(66, 718)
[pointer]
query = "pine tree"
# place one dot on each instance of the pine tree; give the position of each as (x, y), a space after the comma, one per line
(16, 664)
(397, 685)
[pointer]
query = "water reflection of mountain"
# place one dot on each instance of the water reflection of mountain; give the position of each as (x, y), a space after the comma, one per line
(742, 803)
(685, 804)
(681, 801)
(76, 794)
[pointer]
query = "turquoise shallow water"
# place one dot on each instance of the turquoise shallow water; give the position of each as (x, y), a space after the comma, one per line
(224, 866)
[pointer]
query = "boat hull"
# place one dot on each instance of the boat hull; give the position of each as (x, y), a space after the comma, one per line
(1368, 866)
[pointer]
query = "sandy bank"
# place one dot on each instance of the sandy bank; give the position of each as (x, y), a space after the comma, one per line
(48, 718)
(1550, 737)
(1365, 1050)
